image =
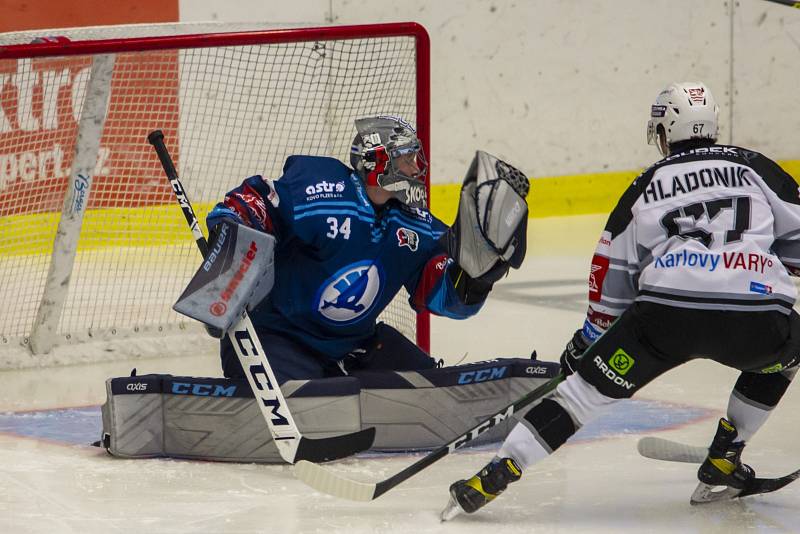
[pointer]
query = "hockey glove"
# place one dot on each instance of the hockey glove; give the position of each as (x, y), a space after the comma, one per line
(475, 290)
(492, 220)
(236, 274)
(572, 353)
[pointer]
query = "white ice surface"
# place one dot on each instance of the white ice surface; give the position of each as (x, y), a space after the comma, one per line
(597, 486)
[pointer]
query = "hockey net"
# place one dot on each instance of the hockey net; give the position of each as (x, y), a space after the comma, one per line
(103, 257)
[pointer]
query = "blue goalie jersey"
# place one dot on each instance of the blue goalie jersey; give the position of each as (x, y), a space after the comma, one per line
(339, 261)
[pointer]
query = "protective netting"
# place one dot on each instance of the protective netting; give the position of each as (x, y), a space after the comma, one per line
(227, 112)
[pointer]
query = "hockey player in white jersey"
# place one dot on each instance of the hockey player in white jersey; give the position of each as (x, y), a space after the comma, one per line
(694, 262)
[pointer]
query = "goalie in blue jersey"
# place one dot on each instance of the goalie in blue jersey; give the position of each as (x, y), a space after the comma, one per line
(346, 240)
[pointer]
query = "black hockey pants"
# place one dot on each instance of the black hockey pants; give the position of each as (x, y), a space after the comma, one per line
(650, 339)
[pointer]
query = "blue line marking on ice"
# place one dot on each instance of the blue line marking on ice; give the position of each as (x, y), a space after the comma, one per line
(77, 426)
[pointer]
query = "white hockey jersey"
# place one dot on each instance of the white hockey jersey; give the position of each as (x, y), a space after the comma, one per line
(716, 227)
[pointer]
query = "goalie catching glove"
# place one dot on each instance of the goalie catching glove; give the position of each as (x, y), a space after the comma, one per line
(236, 275)
(489, 233)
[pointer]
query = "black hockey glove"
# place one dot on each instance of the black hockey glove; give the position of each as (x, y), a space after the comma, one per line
(475, 290)
(572, 353)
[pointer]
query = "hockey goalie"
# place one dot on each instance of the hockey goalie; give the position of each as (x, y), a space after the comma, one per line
(314, 257)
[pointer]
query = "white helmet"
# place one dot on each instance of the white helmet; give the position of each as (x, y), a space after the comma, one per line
(682, 111)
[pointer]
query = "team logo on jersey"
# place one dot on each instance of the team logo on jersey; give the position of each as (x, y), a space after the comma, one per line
(350, 293)
(407, 238)
(596, 276)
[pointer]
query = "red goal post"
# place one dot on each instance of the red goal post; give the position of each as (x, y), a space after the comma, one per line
(92, 246)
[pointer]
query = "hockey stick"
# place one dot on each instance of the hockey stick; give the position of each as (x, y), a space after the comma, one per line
(789, 3)
(326, 481)
(673, 451)
(292, 445)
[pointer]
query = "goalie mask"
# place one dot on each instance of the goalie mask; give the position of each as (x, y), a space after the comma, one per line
(387, 153)
(681, 112)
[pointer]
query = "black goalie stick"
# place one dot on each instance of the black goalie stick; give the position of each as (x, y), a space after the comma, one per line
(292, 445)
(326, 481)
(673, 451)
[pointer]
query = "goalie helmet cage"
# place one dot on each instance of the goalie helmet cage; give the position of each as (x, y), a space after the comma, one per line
(92, 245)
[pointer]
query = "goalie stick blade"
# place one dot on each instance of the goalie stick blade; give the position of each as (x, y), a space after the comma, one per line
(326, 481)
(334, 448)
(670, 451)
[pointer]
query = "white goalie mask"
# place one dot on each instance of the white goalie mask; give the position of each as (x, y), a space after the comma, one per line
(682, 111)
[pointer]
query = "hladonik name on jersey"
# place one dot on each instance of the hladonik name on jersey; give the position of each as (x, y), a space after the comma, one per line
(701, 260)
(728, 176)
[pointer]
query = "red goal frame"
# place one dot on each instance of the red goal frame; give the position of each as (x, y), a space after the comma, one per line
(365, 31)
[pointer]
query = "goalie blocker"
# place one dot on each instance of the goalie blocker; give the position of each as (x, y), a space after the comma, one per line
(218, 419)
(237, 272)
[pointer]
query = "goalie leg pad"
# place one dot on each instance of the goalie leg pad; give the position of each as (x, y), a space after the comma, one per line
(218, 419)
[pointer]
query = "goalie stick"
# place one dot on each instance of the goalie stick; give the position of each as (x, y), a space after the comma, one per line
(292, 445)
(326, 481)
(673, 451)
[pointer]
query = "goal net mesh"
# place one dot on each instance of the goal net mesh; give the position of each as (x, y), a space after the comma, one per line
(227, 112)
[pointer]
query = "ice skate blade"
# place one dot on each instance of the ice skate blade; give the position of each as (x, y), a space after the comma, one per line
(450, 511)
(704, 494)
